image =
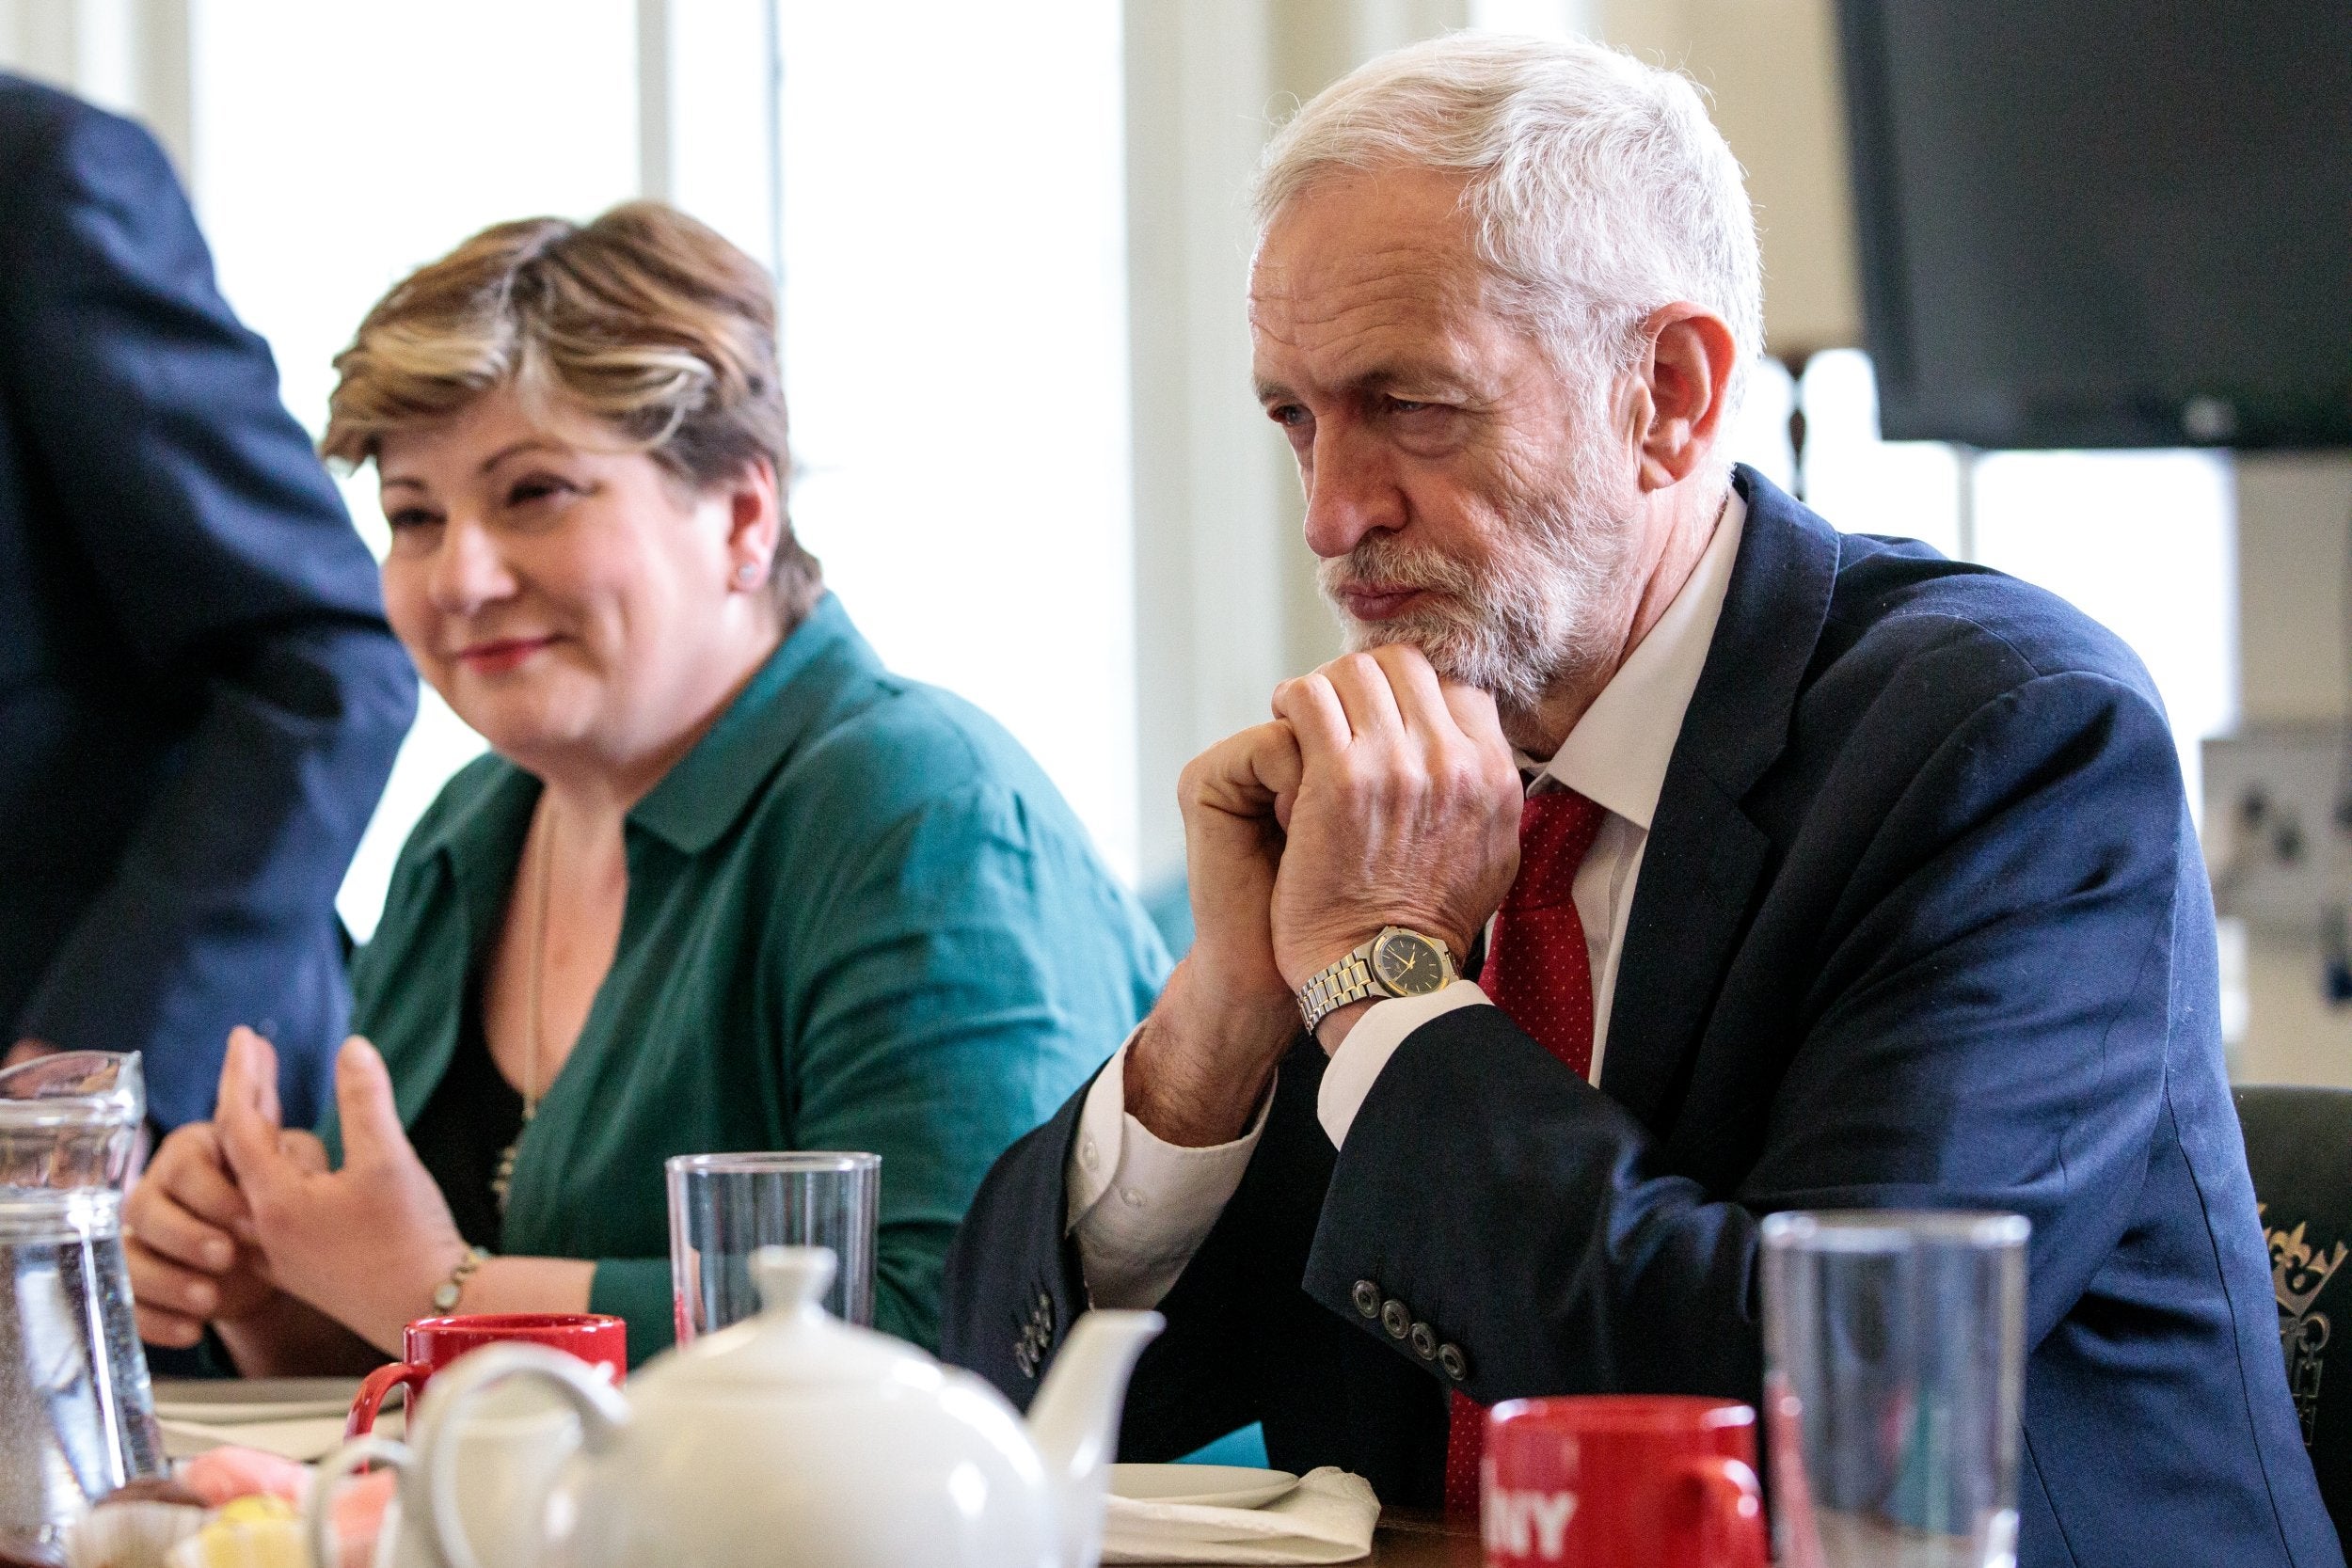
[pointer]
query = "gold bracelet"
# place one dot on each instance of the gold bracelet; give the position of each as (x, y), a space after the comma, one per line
(445, 1294)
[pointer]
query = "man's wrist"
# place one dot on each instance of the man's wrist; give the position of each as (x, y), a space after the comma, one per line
(1338, 1021)
(1198, 1066)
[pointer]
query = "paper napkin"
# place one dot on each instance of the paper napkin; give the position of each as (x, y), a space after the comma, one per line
(1328, 1518)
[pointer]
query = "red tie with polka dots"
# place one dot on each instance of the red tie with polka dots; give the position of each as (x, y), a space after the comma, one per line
(1540, 973)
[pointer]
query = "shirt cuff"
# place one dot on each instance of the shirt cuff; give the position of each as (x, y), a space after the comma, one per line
(1140, 1207)
(1354, 1067)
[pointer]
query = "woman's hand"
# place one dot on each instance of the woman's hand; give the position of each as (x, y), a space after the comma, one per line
(182, 1225)
(365, 1244)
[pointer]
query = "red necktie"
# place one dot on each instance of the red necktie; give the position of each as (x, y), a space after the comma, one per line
(1540, 973)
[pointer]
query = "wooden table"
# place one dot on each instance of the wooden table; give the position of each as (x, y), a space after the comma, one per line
(1410, 1539)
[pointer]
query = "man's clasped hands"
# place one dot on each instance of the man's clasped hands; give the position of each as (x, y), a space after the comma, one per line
(1379, 795)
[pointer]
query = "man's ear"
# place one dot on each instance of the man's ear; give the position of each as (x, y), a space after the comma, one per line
(1680, 399)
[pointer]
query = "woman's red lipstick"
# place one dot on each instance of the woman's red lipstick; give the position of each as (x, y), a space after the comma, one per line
(499, 654)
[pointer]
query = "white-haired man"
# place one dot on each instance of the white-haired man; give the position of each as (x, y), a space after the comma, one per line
(1805, 871)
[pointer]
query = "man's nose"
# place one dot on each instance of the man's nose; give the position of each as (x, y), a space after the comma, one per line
(469, 571)
(1351, 491)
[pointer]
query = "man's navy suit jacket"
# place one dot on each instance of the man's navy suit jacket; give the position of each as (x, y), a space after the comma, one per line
(199, 700)
(1921, 924)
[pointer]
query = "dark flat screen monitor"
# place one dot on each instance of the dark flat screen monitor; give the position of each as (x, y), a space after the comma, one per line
(2105, 223)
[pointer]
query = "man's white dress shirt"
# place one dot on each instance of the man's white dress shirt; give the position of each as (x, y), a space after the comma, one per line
(1140, 1207)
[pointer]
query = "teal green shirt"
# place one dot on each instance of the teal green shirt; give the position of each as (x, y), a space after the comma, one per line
(859, 917)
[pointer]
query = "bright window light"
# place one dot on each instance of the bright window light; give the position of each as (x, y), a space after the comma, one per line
(339, 146)
(2142, 542)
(955, 356)
(1910, 489)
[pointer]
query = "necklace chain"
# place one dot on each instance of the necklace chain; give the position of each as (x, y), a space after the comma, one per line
(541, 873)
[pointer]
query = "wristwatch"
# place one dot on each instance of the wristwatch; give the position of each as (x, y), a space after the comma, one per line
(1397, 962)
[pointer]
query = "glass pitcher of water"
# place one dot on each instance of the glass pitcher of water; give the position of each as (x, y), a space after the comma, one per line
(77, 1419)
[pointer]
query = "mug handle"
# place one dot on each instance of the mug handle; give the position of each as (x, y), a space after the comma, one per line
(318, 1509)
(1726, 1523)
(602, 1415)
(369, 1401)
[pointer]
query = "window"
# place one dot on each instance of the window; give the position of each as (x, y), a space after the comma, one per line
(954, 307)
(955, 359)
(2142, 542)
(320, 181)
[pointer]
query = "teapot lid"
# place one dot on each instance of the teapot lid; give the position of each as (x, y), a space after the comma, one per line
(791, 1341)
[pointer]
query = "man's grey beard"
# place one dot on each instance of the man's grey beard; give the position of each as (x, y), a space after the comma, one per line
(1545, 608)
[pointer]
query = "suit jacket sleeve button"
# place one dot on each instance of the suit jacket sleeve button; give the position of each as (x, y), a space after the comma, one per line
(1367, 1298)
(1454, 1363)
(1424, 1341)
(1393, 1318)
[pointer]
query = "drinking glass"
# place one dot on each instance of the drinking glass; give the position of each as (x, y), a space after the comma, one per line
(76, 1417)
(1894, 1375)
(726, 1207)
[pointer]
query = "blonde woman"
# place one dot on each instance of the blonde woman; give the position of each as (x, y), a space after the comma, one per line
(724, 882)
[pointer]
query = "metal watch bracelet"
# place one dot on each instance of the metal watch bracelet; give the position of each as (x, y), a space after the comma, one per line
(1338, 984)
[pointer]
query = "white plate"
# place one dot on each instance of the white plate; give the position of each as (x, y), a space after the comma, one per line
(1210, 1485)
(236, 1402)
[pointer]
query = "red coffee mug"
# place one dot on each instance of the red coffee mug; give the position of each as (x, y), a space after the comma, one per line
(429, 1344)
(1603, 1480)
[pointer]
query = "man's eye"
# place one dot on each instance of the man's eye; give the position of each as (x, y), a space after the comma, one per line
(1407, 405)
(1287, 414)
(410, 518)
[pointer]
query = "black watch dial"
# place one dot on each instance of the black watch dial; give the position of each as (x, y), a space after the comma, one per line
(1408, 964)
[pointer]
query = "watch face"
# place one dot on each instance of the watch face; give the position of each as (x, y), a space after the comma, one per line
(1408, 964)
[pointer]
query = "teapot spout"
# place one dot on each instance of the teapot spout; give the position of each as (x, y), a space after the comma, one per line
(1074, 1421)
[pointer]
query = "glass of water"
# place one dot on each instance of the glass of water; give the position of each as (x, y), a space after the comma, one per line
(1894, 1377)
(726, 1207)
(76, 1417)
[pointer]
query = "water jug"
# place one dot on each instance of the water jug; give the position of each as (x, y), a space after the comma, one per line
(76, 1418)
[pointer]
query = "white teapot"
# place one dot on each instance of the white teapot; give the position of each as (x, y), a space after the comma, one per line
(794, 1438)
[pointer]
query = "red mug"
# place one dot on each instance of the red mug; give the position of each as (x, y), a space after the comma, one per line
(430, 1344)
(1600, 1480)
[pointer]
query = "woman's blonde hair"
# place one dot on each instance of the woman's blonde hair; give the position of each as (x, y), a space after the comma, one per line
(644, 319)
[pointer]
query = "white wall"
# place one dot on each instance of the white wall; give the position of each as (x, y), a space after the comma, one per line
(2295, 544)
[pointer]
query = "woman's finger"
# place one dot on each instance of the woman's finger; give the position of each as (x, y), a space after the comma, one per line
(249, 1137)
(171, 1330)
(193, 1171)
(172, 1232)
(158, 1282)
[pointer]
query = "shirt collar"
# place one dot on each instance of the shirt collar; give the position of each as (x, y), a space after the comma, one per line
(702, 795)
(706, 790)
(1617, 752)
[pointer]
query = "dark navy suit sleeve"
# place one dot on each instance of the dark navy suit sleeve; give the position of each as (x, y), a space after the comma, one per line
(226, 564)
(1989, 1027)
(1013, 1283)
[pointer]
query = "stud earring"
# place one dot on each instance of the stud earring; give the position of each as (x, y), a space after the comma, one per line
(747, 573)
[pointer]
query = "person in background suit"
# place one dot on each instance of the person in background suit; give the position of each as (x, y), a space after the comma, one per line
(199, 698)
(1813, 871)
